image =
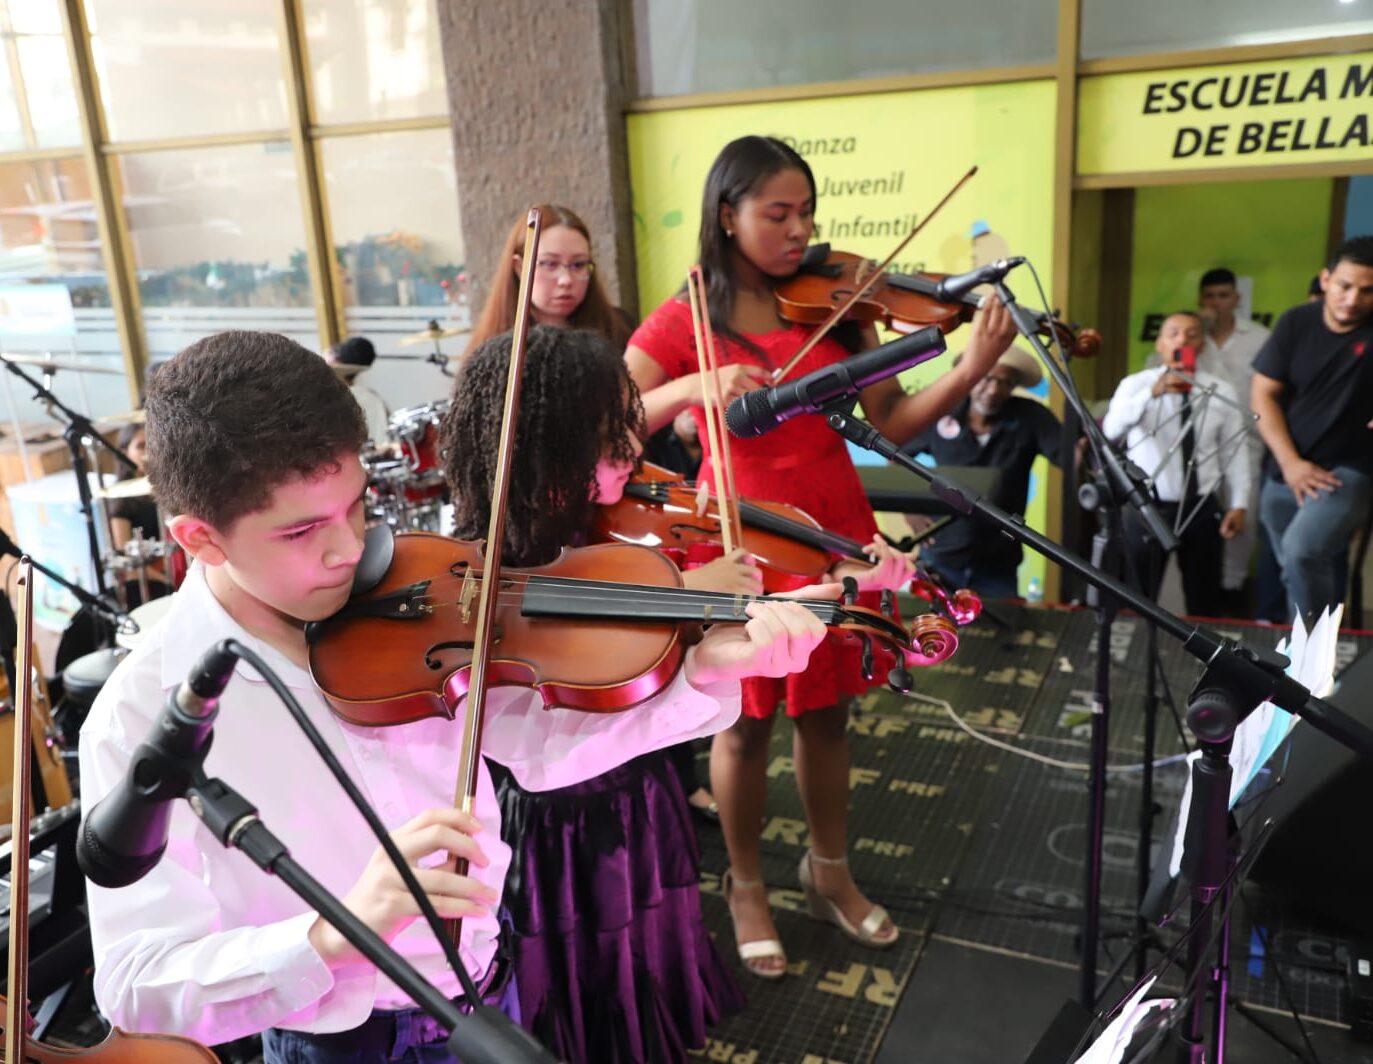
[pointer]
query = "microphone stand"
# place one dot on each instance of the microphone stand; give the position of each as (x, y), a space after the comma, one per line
(78, 434)
(1122, 484)
(1237, 667)
(97, 604)
(485, 1035)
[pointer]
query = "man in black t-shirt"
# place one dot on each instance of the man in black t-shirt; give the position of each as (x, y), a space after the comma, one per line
(1313, 392)
(991, 427)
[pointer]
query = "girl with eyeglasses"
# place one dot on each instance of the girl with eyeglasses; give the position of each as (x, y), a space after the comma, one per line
(757, 218)
(567, 293)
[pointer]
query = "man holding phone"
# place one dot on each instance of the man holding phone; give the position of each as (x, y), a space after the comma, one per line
(1184, 428)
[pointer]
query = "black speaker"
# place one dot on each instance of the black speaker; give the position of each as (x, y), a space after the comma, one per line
(1320, 852)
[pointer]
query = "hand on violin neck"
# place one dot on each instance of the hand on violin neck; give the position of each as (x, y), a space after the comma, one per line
(890, 570)
(993, 331)
(734, 573)
(380, 900)
(776, 641)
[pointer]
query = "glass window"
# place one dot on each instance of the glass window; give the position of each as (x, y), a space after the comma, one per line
(374, 59)
(687, 46)
(51, 97)
(1127, 27)
(53, 296)
(219, 242)
(172, 69)
(44, 114)
(393, 208)
(11, 128)
(48, 231)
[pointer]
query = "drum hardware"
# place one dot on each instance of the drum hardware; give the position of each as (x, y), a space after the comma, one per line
(432, 334)
(79, 433)
(133, 488)
(408, 492)
(118, 421)
(50, 365)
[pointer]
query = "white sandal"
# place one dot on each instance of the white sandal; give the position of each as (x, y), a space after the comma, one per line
(750, 952)
(822, 908)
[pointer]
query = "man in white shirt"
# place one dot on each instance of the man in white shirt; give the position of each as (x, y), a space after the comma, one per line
(253, 447)
(1231, 344)
(1184, 432)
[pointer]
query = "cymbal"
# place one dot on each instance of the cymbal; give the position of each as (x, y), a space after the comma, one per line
(431, 335)
(50, 365)
(127, 489)
(129, 417)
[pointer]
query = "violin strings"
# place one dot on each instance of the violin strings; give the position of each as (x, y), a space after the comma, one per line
(596, 592)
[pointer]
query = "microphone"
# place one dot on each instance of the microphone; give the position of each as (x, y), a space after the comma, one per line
(760, 411)
(125, 834)
(953, 289)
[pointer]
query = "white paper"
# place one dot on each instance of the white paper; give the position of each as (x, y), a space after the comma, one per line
(1110, 1046)
(1312, 658)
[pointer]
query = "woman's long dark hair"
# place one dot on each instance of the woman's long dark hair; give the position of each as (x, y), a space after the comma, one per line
(737, 173)
(577, 404)
(498, 313)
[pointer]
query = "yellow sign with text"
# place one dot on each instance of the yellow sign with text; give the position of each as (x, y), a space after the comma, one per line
(880, 162)
(1271, 113)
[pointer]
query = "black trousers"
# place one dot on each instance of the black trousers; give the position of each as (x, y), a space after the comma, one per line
(1199, 556)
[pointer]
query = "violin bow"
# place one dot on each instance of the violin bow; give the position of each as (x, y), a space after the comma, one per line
(838, 313)
(713, 401)
(469, 761)
(17, 966)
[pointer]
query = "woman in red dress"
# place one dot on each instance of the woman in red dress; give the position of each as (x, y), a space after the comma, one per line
(756, 220)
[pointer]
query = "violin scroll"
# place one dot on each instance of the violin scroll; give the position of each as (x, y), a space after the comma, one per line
(933, 639)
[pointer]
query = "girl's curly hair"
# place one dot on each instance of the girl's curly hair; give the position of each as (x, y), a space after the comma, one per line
(577, 405)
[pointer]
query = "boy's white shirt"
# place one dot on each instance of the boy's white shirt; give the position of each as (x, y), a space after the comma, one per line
(210, 947)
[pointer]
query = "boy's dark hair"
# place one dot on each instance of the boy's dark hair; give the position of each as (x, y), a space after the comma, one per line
(1357, 249)
(235, 415)
(1315, 288)
(1183, 313)
(577, 404)
(1219, 275)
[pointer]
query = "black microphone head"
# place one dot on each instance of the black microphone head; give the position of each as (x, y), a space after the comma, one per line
(749, 415)
(107, 869)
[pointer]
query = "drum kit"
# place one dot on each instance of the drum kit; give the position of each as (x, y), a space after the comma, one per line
(405, 482)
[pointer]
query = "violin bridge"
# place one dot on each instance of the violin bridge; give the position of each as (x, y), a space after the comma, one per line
(466, 595)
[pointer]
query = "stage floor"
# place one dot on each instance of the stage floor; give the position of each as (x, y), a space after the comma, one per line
(978, 854)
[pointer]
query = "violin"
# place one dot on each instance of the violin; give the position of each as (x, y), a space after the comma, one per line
(598, 630)
(902, 302)
(118, 1046)
(659, 510)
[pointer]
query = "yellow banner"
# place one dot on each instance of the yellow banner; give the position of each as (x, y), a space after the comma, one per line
(1271, 113)
(880, 162)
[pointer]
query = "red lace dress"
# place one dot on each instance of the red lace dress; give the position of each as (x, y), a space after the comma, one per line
(801, 462)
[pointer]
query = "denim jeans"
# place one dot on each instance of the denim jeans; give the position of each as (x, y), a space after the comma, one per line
(407, 1036)
(1311, 541)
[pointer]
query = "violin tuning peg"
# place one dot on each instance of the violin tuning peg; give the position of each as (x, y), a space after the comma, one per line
(867, 659)
(900, 679)
(889, 602)
(850, 591)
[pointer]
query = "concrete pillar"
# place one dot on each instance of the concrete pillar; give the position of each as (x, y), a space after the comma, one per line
(536, 91)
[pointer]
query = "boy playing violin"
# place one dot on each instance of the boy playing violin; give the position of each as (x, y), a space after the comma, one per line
(253, 447)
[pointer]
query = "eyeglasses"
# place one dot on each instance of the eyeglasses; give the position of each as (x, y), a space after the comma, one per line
(578, 271)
